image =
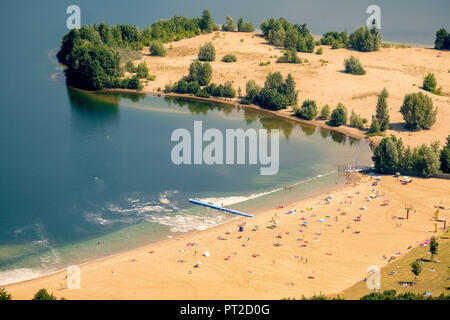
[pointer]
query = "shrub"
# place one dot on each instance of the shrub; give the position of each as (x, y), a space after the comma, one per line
(200, 72)
(325, 113)
(142, 71)
(4, 295)
(308, 110)
(289, 56)
(353, 66)
(417, 111)
(157, 49)
(42, 294)
(339, 115)
(442, 40)
(252, 91)
(248, 27)
(335, 39)
(357, 121)
(429, 83)
(229, 58)
(445, 157)
(228, 90)
(229, 24)
(375, 128)
(207, 52)
(365, 39)
(203, 93)
(129, 66)
(319, 51)
(272, 99)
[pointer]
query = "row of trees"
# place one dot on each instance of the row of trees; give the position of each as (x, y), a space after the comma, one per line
(362, 39)
(91, 56)
(198, 83)
(241, 25)
(42, 294)
(277, 93)
(282, 33)
(391, 156)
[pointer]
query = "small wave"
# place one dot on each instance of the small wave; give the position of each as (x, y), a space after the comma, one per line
(186, 223)
(20, 274)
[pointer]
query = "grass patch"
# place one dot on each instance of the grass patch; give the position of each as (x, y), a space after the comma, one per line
(263, 64)
(399, 271)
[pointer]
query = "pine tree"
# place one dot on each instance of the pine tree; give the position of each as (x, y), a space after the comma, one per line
(382, 112)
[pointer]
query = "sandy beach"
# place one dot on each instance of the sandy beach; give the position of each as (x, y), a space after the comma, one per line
(322, 249)
(320, 77)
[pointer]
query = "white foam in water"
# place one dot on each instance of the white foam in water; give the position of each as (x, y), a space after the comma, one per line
(236, 199)
(186, 223)
(20, 274)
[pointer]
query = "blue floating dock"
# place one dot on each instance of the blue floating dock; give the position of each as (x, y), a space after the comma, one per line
(209, 205)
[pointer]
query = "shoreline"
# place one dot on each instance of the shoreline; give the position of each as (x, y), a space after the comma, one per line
(284, 114)
(331, 188)
(141, 273)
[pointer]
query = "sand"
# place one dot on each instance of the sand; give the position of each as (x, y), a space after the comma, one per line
(337, 257)
(322, 78)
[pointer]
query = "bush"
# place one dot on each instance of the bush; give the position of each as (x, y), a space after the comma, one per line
(229, 25)
(203, 93)
(248, 27)
(335, 39)
(365, 39)
(272, 99)
(289, 56)
(429, 83)
(42, 294)
(229, 58)
(129, 67)
(353, 66)
(375, 128)
(445, 157)
(319, 51)
(357, 121)
(4, 295)
(339, 115)
(442, 40)
(157, 49)
(142, 71)
(308, 110)
(207, 52)
(417, 111)
(325, 113)
(228, 90)
(252, 91)
(200, 72)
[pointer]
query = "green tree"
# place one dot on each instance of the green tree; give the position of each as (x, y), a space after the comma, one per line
(445, 157)
(339, 115)
(382, 111)
(207, 52)
(441, 39)
(289, 90)
(365, 39)
(388, 154)
(308, 110)
(325, 113)
(433, 247)
(418, 112)
(142, 71)
(229, 24)
(228, 90)
(416, 269)
(353, 66)
(429, 83)
(206, 23)
(375, 128)
(200, 72)
(289, 56)
(240, 24)
(157, 49)
(4, 295)
(42, 294)
(252, 91)
(248, 27)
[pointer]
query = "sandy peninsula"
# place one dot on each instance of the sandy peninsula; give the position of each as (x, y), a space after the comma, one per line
(322, 249)
(320, 77)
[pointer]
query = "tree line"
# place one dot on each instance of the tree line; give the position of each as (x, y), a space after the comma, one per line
(93, 61)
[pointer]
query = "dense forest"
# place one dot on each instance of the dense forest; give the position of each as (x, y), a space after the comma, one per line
(92, 56)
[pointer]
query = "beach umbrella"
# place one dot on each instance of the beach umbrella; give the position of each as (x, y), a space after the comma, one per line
(322, 220)
(206, 254)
